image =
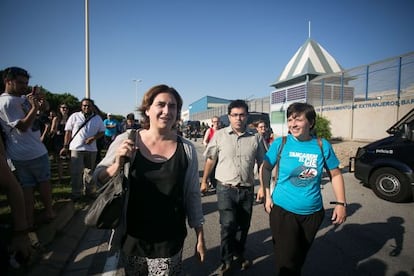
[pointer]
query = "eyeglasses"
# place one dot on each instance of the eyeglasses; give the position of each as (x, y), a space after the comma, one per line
(64, 107)
(85, 105)
(241, 115)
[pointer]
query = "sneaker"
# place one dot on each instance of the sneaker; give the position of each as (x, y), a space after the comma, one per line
(244, 263)
(225, 269)
(34, 240)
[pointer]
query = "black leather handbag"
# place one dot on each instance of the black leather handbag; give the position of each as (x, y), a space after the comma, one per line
(106, 211)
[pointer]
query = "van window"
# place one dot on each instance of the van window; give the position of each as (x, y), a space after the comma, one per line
(253, 117)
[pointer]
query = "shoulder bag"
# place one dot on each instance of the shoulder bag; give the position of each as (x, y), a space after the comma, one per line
(106, 210)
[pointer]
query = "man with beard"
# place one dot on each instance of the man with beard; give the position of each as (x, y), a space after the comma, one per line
(83, 128)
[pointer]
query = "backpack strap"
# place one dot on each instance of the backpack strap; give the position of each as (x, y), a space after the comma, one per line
(325, 166)
(276, 169)
(280, 150)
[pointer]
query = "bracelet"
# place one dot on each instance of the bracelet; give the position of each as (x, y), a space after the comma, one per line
(338, 203)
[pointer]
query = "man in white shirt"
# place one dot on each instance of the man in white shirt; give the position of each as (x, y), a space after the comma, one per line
(28, 154)
(83, 128)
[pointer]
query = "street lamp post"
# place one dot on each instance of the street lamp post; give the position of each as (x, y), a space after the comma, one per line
(136, 94)
(87, 74)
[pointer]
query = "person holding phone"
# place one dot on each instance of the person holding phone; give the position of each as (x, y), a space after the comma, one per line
(23, 145)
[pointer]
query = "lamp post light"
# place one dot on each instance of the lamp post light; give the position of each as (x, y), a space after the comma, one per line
(136, 95)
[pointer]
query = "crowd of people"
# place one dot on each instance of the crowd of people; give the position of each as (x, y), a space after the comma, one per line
(31, 136)
(164, 187)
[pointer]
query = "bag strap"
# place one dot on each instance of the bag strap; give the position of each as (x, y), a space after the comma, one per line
(279, 153)
(325, 166)
(132, 136)
(84, 124)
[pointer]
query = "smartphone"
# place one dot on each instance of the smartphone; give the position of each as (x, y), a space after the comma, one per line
(35, 90)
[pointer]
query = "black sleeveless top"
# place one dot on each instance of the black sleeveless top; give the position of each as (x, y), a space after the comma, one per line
(156, 224)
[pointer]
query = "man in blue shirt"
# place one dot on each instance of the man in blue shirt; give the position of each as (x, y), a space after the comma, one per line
(111, 127)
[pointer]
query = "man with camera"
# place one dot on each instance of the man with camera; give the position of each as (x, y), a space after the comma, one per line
(28, 154)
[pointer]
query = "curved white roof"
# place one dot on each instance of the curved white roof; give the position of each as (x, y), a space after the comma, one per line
(311, 59)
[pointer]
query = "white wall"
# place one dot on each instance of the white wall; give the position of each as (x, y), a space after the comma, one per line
(365, 121)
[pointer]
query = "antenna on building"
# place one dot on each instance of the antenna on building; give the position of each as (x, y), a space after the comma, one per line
(309, 28)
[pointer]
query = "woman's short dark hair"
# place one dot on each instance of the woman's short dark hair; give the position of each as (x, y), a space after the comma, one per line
(237, 104)
(149, 97)
(297, 109)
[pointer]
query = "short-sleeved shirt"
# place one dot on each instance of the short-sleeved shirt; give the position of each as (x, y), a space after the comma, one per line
(110, 131)
(235, 155)
(300, 173)
(92, 127)
(20, 145)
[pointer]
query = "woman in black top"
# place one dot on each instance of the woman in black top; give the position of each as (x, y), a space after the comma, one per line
(163, 190)
(57, 132)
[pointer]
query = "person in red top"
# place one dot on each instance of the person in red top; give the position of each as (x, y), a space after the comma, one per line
(215, 125)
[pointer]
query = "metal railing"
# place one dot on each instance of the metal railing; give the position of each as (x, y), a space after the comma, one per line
(387, 79)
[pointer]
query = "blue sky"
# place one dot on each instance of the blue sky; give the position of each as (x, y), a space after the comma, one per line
(222, 48)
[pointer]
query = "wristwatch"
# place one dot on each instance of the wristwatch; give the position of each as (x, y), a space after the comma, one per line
(338, 203)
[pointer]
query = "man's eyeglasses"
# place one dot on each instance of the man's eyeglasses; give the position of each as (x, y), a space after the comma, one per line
(85, 105)
(241, 115)
(64, 107)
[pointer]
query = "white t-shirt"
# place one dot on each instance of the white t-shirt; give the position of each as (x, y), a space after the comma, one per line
(92, 127)
(20, 145)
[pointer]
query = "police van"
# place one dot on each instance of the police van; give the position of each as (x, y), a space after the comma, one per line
(387, 165)
(251, 118)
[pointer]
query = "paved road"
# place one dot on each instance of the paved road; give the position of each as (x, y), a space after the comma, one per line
(377, 239)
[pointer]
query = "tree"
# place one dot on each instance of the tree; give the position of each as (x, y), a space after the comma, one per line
(322, 127)
(55, 100)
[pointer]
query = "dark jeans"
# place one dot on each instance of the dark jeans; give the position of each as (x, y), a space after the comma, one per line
(107, 141)
(293, 235)
(212, 176)
(235, 209)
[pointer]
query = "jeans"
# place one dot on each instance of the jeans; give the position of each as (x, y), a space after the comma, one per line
(235, 208)
(79, 161)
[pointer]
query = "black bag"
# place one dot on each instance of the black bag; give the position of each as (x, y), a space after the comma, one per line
(106, 211)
